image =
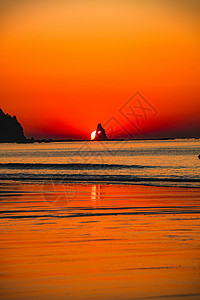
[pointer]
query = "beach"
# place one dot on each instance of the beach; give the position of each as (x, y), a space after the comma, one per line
(100, 220)
(99, 241)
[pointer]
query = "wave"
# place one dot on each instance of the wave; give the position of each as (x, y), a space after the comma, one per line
(131, 179)
(169, 212)
(71, 166)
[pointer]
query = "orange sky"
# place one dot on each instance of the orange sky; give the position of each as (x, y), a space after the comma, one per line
(65, 66)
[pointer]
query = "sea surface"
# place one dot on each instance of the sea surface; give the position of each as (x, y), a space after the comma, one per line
(163, 163)
(100, 220)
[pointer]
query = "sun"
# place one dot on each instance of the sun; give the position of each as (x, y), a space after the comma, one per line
(93, 135)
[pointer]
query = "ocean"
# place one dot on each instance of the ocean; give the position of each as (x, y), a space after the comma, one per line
(100, 220)
(162, 163)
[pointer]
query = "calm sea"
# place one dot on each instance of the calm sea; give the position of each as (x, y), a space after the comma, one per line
(82, 220)
(163, 163)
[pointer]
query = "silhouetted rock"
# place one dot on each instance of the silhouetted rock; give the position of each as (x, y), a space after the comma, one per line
(10, 129)
(100, 134)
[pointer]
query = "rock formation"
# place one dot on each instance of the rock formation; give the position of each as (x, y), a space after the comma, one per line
(100, 134)
(10, 129)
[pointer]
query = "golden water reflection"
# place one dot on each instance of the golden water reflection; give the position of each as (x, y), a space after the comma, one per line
(95, 192)
(108, 242)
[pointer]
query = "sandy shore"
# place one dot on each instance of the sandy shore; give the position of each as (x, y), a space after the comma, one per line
(98, 241)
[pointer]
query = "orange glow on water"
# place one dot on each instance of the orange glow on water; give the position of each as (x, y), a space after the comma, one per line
(101, 248)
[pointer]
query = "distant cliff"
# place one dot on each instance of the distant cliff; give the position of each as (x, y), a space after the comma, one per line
(10, 129)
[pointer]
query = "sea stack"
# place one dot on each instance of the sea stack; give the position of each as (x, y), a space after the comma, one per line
(100, 134)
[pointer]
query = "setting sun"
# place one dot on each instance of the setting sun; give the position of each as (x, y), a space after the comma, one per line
(93, 134)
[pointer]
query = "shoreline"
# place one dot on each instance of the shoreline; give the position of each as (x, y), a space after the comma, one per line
(33, 141)
(142, 183)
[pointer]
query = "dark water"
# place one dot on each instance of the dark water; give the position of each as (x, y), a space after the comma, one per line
(143, 162)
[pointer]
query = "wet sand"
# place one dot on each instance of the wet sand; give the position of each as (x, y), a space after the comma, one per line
(98, 241)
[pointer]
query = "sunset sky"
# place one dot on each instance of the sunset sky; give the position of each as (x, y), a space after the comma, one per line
(66, 66)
